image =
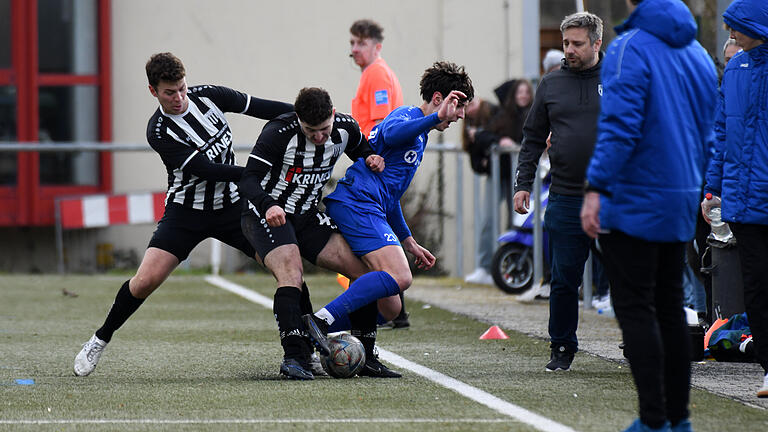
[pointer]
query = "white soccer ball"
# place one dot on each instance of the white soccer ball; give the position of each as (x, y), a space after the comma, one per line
(347, 356)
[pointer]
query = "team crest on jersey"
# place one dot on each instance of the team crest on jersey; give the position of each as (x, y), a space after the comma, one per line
(411, 157)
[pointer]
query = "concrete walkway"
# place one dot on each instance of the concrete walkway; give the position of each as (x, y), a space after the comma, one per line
(598, 335)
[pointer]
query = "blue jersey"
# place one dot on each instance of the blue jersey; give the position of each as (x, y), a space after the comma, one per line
(400, 139)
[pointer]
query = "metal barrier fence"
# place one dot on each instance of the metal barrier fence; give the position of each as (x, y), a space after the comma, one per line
(461, 161)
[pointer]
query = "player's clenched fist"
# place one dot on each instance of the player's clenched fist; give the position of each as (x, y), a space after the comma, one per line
(275, 216)
(375, 163)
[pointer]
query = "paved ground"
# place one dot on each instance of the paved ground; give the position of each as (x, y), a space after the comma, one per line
(598, 335)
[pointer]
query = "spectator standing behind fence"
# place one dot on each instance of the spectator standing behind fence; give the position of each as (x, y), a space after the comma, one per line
(643, 186)
(567, 103)
(738, 175)
(378, 93)
(501, 126)
(553, 60)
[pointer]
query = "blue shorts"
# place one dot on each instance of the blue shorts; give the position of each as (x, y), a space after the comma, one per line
(364, 227)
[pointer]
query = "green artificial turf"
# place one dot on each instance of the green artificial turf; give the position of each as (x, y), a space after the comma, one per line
(195, 357)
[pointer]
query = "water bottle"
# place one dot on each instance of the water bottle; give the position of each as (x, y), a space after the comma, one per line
(720, 230)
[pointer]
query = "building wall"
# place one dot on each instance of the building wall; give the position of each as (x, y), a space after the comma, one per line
(272, 49)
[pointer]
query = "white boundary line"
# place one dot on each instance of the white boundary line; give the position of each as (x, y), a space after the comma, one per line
(244, 421)
(518, 413)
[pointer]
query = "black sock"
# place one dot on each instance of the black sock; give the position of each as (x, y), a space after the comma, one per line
(288, 316)
(304, 302)
(363, 326)
(402, 314)
(124, 306)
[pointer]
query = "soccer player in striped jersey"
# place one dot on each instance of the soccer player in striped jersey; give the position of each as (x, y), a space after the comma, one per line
(190, 133)
(366, 208)
(290, 163)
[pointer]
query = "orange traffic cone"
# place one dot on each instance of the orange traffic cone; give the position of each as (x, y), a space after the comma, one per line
(342, 280)
(494, 332)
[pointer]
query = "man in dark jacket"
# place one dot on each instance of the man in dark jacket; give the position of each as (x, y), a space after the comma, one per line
(567, 103)
(642, 194)
(738, 171)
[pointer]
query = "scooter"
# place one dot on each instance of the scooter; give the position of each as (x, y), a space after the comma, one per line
(512, 264)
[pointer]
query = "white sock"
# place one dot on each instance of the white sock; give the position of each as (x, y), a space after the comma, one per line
(326, 316)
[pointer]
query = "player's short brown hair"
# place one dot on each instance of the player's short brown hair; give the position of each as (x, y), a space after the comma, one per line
(313, 105)
(445, 77)
(367, 29)
(164, 67)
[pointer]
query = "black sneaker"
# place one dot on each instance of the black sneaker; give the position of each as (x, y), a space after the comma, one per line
(560, 359)
(293, 369)
(317, 330)
(400, 322)
(375, 369)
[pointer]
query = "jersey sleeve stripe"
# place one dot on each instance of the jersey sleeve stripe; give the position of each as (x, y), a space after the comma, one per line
(260, 159)
(187, 160)
(247, 103)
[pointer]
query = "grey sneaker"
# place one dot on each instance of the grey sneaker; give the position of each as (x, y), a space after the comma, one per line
(560, 359)
(88, 357)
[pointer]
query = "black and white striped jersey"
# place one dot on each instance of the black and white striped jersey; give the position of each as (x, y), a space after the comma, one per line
(287, 169)
(196, 146)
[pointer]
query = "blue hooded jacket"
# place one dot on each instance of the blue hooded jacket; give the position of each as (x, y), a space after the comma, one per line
(739, 171)
(656, 122)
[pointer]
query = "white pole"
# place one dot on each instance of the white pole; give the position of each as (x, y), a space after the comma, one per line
(215, 257)
(579, 5)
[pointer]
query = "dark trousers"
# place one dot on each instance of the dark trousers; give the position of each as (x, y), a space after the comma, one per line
(647, 293)
(569, 247)
(752, 244)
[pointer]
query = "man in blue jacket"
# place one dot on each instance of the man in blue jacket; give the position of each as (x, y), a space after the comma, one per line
(656, 120)
(739, 171)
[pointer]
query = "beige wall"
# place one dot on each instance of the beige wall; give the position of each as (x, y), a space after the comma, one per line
(272, 49)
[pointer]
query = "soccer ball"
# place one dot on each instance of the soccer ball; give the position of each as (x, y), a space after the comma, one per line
(347, 356)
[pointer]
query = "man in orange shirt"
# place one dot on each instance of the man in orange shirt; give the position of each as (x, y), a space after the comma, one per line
(379, 90)
(378, 93)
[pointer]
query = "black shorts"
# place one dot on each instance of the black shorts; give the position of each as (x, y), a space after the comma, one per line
(310, 231)
(181, 229)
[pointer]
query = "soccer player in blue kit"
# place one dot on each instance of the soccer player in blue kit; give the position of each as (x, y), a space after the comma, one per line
(366, 208)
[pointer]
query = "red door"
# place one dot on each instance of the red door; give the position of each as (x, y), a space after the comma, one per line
(54, 87)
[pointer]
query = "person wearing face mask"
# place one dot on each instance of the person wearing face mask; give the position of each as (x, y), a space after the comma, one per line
(567, 104)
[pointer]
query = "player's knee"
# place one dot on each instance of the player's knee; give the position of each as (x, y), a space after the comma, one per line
(142, 286)
(404, 278)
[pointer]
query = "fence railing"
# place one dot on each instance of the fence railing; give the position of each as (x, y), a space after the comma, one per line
(69, 147)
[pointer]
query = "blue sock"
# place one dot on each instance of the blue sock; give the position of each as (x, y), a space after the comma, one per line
(366, 289)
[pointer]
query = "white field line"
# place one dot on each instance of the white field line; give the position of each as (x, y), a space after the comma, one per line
(244, 421)
(518, 413)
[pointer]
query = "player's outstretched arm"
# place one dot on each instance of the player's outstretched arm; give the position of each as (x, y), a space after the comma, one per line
(422, 257)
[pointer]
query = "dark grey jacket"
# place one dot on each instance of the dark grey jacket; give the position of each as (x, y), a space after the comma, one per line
(567, 103)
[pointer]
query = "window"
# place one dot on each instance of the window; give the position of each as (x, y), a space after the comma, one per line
(54, 87)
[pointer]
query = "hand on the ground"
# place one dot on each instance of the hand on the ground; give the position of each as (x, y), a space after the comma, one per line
(375, 163)
(275, 216)
(590, 214)
(422, 257)
(449, 108)
(706, 206)
(522, 201)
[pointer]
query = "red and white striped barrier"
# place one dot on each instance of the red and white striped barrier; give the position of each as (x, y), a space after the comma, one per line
(91, 211)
